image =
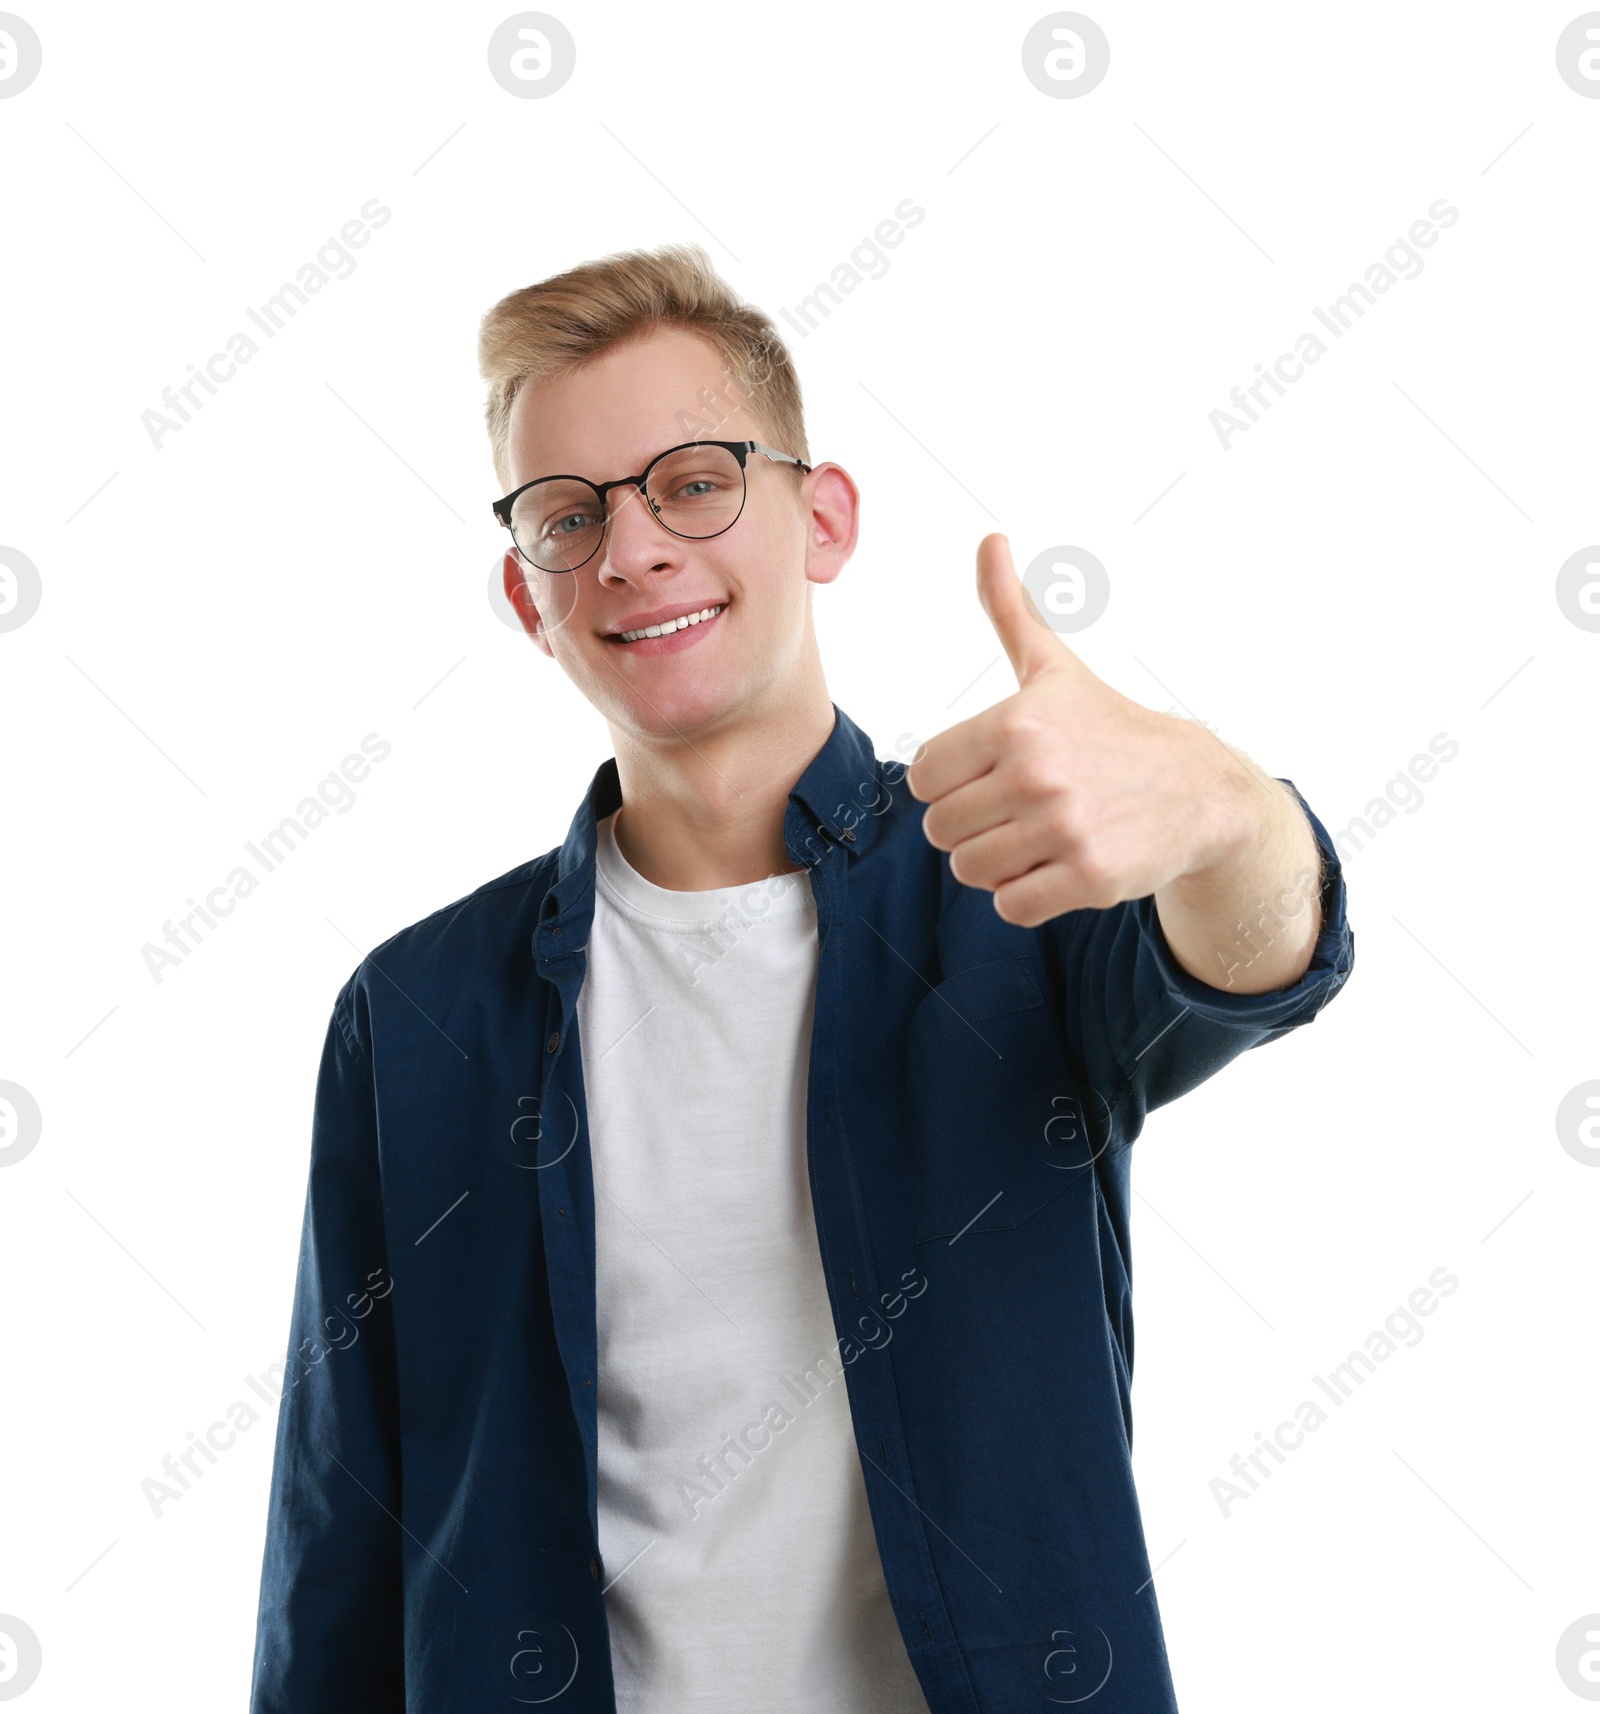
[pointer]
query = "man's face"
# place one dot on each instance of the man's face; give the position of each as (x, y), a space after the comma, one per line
(609, 419)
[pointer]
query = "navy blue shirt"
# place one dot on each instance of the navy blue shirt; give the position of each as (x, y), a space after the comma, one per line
(973, 1090)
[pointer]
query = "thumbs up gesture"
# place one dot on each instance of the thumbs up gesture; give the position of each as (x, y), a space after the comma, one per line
(1067, 794)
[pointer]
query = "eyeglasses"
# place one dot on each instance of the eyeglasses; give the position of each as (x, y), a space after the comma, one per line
(695, 490)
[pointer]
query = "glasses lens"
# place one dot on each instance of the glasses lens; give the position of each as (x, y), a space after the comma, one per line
(557, 524)
(697, 490)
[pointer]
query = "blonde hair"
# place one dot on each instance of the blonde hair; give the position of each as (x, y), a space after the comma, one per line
(565, 321)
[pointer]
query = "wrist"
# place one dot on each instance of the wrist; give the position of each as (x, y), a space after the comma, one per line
(1233, 823)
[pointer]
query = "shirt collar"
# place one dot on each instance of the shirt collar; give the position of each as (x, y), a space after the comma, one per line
(832, 801)
(831, 806)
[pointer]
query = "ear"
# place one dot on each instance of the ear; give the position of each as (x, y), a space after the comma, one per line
(520, 594)
(832, 517)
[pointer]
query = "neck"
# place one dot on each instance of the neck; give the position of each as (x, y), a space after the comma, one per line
(708, 812)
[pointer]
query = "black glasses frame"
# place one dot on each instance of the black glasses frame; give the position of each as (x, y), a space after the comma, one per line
(741, 449)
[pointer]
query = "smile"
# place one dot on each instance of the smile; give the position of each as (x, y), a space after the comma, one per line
(669, 626)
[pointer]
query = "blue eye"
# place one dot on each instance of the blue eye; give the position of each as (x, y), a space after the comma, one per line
(556, 529)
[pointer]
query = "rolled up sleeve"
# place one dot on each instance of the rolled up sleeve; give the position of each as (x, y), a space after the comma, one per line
(1143, 1031)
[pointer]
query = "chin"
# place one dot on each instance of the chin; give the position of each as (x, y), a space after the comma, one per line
(686, 709)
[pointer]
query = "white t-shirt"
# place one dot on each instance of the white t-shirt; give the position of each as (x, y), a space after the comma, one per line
(741, 1567)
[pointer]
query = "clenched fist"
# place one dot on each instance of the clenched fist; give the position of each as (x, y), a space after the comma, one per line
(1069, 795)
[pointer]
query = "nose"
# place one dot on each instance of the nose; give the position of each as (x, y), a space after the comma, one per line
(636, 541)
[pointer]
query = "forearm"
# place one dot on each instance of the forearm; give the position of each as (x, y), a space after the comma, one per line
(1248, 921)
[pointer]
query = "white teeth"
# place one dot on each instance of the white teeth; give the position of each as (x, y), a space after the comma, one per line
(671, 625)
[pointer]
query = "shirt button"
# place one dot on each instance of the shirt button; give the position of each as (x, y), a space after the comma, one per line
(594, 1569)
(848, 837)
(554, 1042)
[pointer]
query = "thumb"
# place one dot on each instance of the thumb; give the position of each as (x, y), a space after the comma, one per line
(1029, 642)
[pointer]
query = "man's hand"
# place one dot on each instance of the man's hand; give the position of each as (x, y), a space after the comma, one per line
(1069, 795)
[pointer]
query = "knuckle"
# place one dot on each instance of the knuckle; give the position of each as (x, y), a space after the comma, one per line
(1091, 865)
(969, 868)
(1015, 723)
(1038, 782)
(1098, 880)
(1067, 824)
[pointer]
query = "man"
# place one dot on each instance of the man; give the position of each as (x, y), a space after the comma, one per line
(714, 1289)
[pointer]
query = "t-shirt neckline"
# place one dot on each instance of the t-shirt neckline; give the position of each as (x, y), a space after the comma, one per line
(666, 907)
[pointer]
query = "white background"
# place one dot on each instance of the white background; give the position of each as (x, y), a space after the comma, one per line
(308, 561)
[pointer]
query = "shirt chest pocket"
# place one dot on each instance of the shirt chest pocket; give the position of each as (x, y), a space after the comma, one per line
(997, 1125)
